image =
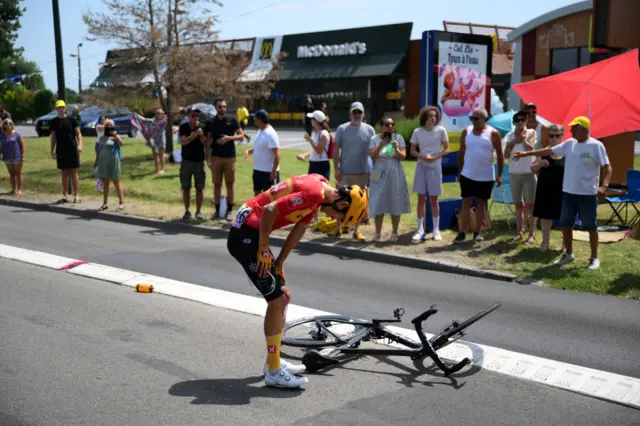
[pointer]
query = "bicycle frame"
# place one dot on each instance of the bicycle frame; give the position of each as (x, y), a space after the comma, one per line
(416, 350)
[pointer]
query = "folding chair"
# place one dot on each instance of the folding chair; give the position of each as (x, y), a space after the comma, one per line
(502, 194)
(623, 201)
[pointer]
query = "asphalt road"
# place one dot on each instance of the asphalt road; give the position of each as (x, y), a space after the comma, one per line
(600, 332)
(76, 351)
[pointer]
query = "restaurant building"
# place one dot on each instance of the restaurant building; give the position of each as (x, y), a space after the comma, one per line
(337, 67)
(574, 36)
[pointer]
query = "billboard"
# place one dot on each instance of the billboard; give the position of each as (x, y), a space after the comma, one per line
(265, 50)
(456, 77)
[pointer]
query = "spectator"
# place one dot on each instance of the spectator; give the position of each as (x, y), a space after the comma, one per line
(319, 157)
(153, 130)
(242, 115)
(266, 154)
(12, 148)
(4, 114)
(222, 133)
(584, 157)
(550, 169)
(523, 180)
(75, 113)
(109, 161)
(475, 164)
(308, 109)
(66, 146)
(433, 142)
(351, 156)
(192, 164)
(542, 131)
(389, 190)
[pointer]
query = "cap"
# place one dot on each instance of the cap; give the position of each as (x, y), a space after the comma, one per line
(60, 103)
(317, 115)
(356, 105)
(262, 115)
(193, 109)
(581, 121)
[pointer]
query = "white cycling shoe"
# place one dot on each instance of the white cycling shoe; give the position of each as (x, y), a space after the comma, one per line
(291, 368)
(284, 379)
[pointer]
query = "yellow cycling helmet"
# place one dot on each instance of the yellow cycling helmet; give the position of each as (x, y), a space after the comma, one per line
(358, 200)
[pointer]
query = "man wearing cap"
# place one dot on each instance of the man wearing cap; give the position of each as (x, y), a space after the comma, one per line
(351, 156)
(581, 187)
(266, 154)
(192, 164)
(66, 146)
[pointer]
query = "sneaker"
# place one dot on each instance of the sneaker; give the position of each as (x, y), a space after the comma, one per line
(461, 238)
(564, 259)
(477, 237)
(215, 216)
(187, 216)
(291, 368)
(419, 236)
(199, 216)
(593, 264)
(284, 379)
(436, 235)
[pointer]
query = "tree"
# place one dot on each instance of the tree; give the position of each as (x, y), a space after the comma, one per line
(19, 103)
(43, 102)
(174, 41)
(17, 71)
(10, 14)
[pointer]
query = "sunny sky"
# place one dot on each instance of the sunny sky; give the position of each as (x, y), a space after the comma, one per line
(240, 19)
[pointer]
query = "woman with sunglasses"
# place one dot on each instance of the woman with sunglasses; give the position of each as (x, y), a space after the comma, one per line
(548, 204)
(388, 183)
(523, 180)
(12, 148)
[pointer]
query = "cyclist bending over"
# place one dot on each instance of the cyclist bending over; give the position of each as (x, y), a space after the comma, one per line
(293, 201)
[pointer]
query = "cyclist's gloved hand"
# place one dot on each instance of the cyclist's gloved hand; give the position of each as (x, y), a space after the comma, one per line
(265, 261)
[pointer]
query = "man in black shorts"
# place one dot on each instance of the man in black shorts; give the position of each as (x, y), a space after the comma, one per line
(192, 164)
(66, 146)
(478, 143)
(293, 201)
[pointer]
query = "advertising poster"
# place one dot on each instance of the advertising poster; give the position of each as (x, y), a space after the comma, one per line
(457, 78)
(462, 83)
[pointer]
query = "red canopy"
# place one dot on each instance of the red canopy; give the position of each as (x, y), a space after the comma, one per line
(608, 92)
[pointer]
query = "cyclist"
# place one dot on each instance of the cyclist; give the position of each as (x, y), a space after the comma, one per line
(293, 201)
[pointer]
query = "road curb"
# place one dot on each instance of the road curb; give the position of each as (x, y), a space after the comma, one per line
(305, 246)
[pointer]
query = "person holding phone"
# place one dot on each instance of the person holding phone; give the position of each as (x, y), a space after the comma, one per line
(388, 183)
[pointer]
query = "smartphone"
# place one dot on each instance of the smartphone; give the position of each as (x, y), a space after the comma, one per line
(386, 135)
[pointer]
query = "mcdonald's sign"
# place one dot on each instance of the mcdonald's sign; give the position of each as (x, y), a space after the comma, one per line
(266, 50)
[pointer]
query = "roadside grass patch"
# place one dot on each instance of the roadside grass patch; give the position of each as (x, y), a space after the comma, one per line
(159, 196)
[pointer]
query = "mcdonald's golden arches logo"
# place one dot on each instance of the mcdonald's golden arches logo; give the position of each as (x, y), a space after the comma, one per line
(266, 50)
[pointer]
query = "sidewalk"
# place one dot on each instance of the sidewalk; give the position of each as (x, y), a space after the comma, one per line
(312, 242)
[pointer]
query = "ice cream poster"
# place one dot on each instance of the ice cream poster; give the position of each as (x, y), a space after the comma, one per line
(462, 82)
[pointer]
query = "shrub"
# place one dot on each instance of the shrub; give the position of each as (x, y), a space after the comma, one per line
(43, 102)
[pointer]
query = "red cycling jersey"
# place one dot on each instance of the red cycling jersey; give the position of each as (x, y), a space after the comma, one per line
(297, 199)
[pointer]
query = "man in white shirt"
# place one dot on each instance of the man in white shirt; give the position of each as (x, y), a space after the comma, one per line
(581, 187)
(266, 154)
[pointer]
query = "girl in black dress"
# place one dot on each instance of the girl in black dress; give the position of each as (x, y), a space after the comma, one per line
(548, 204)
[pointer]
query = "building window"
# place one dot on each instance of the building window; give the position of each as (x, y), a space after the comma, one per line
(567, 59)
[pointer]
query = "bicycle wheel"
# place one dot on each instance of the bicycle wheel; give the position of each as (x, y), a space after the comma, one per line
(314, 332)
(442, 339)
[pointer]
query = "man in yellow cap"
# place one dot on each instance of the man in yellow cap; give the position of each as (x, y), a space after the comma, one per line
(66, 146)
(581, 187)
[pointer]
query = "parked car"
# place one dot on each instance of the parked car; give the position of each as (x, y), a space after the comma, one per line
(42, 123)
(121, 117)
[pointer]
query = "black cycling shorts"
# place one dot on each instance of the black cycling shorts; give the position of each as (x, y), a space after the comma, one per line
(243, 245)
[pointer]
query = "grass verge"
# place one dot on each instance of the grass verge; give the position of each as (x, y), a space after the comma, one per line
(158, 196)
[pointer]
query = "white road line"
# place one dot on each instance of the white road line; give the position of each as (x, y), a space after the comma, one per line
(594, 383)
